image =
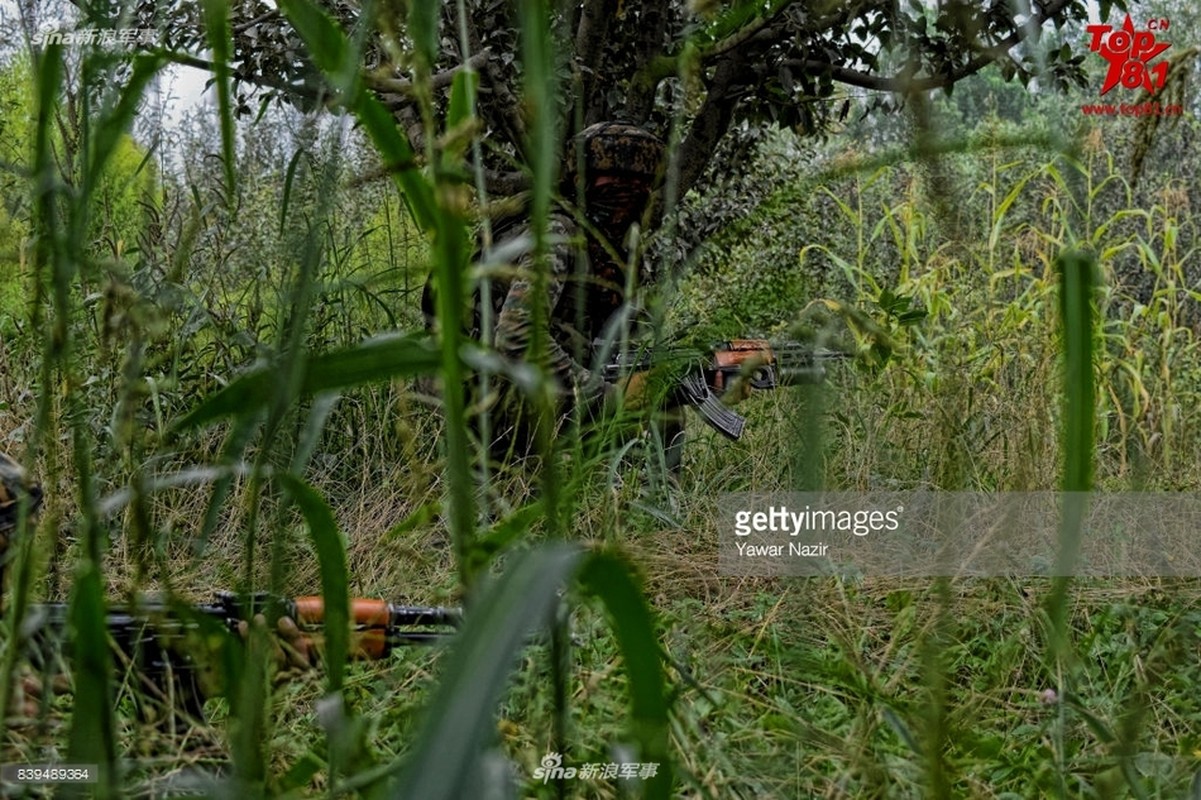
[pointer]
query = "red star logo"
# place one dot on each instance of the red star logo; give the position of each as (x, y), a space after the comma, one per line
(1129, 53)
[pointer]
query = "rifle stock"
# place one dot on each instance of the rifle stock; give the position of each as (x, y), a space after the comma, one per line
(156, 641)
(761, 363)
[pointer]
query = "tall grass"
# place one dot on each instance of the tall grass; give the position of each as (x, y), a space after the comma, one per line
(1026, 370)
(273, 417)
(1034, 350)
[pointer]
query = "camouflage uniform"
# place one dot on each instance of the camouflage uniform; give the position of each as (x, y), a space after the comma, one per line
(622, 164)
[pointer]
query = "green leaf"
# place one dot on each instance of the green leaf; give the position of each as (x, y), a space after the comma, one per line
(333, 55)
(458, 721)
(607, 577)
(460, 117)
(117, 120)
(374, 361)
(887, 300)
(423, 27)
(216, 25)
(1076, 272)
(331, 559)
(92, 734)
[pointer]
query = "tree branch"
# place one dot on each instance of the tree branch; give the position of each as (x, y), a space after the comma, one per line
(506, 116)
(500, 184)
(262, 81)
(710, 123)
(641, 97)
(902, 82)
(757, 29)
(401, 89)
(242, 27)
(590, 37)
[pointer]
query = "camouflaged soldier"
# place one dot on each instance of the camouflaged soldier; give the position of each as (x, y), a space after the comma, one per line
(586, 284)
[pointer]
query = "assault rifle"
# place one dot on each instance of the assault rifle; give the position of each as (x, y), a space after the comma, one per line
(157, 642)
(762, 364)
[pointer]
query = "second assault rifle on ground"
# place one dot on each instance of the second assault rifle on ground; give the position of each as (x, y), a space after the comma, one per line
(159, 643)
(762, 364)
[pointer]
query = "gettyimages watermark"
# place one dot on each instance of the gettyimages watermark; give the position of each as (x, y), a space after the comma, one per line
(960, 534)
(106, 37)
(551, 769)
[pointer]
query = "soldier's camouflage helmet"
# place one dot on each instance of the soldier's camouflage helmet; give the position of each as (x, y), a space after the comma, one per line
(13, 483)
(616, 148)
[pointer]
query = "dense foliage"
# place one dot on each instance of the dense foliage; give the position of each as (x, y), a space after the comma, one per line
(702, 68)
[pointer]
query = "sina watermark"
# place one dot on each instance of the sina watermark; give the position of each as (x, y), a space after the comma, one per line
(551, 769)
(107, 37)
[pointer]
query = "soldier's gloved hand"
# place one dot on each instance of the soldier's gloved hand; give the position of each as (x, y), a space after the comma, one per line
(635, 391)
(736, 391)
(29, 690)
(292, 649)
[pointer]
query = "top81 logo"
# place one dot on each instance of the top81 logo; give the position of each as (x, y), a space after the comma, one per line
(1131, 54)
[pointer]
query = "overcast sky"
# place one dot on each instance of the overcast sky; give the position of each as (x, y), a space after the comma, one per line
(184, 86)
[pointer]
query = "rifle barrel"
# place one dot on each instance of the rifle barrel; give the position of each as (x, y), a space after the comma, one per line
(798, 363)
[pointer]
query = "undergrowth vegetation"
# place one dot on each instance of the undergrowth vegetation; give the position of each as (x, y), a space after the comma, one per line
(211, 363)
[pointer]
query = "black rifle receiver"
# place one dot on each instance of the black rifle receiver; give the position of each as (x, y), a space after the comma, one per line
(762, 364)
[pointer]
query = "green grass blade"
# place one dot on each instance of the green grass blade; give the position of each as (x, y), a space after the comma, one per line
(610, 579)
(374, 361)
(395, 150)
(1076, 296)
(232, 451)
(330, 49)
(543, 152)
(451, 259)
(460, 117)
(1100, 729)
(331, 52)
(331, 558)
(216, 26)
(459, 719)
(902, 731)
(462, 98)
(423, 28)
(91, 723)
(504, 533)
(1076, 276)
(289, 177)
(1076, 290)
(113, 125)
(50, 75)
